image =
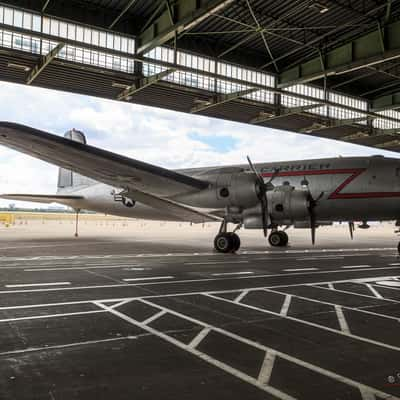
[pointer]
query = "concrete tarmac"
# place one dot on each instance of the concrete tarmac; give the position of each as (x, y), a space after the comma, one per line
(151, 312)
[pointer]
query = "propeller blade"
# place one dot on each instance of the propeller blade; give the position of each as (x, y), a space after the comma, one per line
(351, 229)
(313, 223)
(313, 227)
(262, 196)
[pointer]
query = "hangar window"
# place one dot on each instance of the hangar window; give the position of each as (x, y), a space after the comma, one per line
(382, 123)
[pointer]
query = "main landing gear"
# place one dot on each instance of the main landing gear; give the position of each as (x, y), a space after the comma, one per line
(227, 242)
(278, 239)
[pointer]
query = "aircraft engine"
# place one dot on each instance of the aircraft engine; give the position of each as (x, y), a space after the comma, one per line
(285, 204)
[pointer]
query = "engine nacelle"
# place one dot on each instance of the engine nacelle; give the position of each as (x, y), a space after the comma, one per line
(238, 189)
(287, 204)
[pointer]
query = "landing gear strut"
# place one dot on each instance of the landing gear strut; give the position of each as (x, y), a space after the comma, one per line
(227, 242)
(278, 238)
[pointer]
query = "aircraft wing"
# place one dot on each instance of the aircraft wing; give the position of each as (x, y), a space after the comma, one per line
(101, 165)
(146, 183)
(40, 198)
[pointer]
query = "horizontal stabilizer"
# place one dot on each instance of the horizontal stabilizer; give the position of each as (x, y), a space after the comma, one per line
(41, 198)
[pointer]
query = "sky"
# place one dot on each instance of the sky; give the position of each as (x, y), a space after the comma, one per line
(162, 137)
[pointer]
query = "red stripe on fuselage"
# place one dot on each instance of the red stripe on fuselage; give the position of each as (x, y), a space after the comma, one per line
(336, 194)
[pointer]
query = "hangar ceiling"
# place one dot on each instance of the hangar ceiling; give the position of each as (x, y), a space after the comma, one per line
(327, 68)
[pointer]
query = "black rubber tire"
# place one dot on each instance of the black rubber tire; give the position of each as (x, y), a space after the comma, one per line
(285, 238)
(223, 243)
(275, 239)
(235, 242)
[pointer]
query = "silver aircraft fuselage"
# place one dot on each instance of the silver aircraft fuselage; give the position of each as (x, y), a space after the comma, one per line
(350, 189)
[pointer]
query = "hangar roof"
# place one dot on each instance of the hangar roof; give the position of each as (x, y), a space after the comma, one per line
(327, 68)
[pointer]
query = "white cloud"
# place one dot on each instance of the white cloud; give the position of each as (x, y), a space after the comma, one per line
(162, 137)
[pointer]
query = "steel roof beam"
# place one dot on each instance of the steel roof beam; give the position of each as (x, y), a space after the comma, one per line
(187, 14)
(389, 102)
(122, 13)
(221, 99)
(363, 52)
(44, 62)
(45, 5)
(333, 124)
(264, 117)
(144, 83)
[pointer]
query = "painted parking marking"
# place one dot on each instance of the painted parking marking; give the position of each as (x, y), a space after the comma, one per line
(149, 278)
(285, 305)
(342, 320)
(216, 262)
(392, 284)
(315, 325)
(125, 267)
(280, 354)
(225, 367)
(199, 338)
(300, 269)
(22, 285)
(232, 273)
(267, 366)
(241, 296)
(356, 266)
(374, 291)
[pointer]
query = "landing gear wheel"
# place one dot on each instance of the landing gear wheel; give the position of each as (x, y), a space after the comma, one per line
(285, 238)
(227, 242)
(235, 242)
(278, 239)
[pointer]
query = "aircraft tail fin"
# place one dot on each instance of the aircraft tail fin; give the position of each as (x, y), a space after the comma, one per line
(66, 178)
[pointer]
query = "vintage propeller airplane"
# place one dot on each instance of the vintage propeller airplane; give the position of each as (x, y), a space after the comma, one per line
(266, 196)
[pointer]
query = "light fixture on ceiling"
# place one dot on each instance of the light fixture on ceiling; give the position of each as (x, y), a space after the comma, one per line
(24, 68)
(321, 8)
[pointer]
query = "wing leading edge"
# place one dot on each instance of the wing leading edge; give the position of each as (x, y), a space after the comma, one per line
(98, 164)
(148, 183)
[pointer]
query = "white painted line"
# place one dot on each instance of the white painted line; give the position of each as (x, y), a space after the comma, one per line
(374, 291)
(260, 346)
(330, 286)
(121, 303)
(320, 258)
(333, 304)
(149, 278)
(232, 273)
(391, 284)
(267, 366)
(356, 266)
(126, 268)
(300, 269)
(241, 296)
(21, 285)
(220, 279)
(285, 305)
(32, 317)
(199, 338)
(342, 319)
(65, 346)
(221, 365)
(216, 262)
(394, 264)
(367, 395)
(154, 317)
